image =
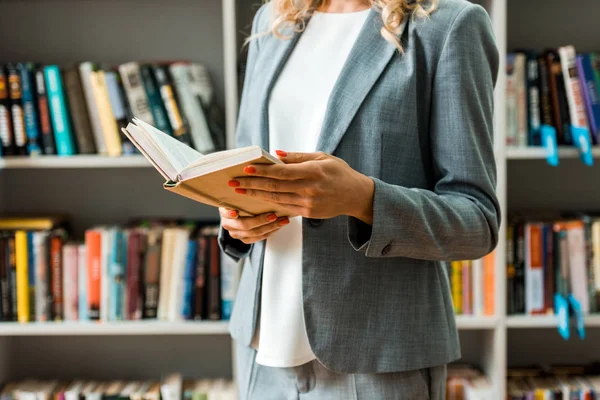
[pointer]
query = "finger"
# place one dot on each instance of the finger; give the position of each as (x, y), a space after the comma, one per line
(273, 197)
(228, 213)
(278, 171)
(248, 223)
(296, 158)
(260, 231)
(267, 184)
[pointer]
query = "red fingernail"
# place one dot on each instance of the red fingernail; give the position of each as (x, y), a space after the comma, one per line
(240, 191)
(271, 217)
(250, 169)
(233, 213)
(284, 221)
(281, 153)
(233, 183)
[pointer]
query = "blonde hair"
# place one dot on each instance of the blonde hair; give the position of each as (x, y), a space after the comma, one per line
(293, 13)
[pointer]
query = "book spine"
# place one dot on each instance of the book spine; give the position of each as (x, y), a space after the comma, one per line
(510, 269)
(85, 73)
(4, 279)
(577, 265)
(152, 270)
(22, 276)
(56, 245)
(12, 268)
(58, 111)
(214, 299)
(107, 118)
(118, 108)
(70, 282)
(202, 87)
(29, 108)
(489, 284)
(47, 135)
(16, 107)
(157, 107)
(6, 131)
(596, 259)
(573, 87)
(188, 280)
(589, 266)
(466, 288)
(107, 244)
(534, 268)
(31, 260)
(520, 269)
(512, 123)
(82, 283)
(117, 276)
(548, 269)
(192, 108)
(590, 92)
(93, 244)
(176, 120)
(79, 113)
(134, 260)
(166, 263)
(545, 106)
(456, 280)
(136, 94)
(533, 97)
(521, 89)
(200, 281)
(230, 277)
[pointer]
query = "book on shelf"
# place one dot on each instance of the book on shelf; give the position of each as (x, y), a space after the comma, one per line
(553, 95)
(202, 178)
(165, 270)
(472, 286)
(553, 382)
(465, 382)
(549, 256)
(171, 387)
(81, 109)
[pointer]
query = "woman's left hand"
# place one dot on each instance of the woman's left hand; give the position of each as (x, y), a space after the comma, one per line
(312, 185)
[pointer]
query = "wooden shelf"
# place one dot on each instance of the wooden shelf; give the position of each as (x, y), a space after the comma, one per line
(146, 328)
(538, 153)
(466, 322)
(545, 321)
(79, 161)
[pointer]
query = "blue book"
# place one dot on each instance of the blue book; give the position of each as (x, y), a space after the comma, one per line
(59, 116)
(189, 280)
(29, 108)
(590, 94)
(31, 274)
(82, 283)
(117, 276)
(229, 284)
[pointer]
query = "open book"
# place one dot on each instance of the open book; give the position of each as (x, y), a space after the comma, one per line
(202, 178)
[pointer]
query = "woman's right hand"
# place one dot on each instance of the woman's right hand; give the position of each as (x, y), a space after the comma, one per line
(251, 229)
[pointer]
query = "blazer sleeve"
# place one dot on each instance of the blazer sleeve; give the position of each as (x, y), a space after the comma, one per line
(233, 247)
(458, 219)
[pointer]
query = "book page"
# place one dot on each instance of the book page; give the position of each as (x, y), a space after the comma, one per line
(177, 153)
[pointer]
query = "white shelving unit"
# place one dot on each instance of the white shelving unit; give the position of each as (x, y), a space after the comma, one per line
(90, 191)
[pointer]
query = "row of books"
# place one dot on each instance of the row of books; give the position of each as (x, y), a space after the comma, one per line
(552, 258)
(554, 382)
(465, 382)
(552, 96)
(472, 286)
(172, 387)
(146, 270)
(82, 109)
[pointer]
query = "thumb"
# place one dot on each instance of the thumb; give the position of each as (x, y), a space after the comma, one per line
(297, 158)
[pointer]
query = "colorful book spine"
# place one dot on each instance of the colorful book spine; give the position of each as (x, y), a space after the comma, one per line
(151, 274)
(21, 260)
(4, 278)
(78, 112)
(58, 112)
(577, 264)
(136, 94)
(56, 245)
(93, 243)
(82, 283)
(489, 284)
(6, 131)
(108, 237)
(12, 268)
(31, 260)
(15, 93)
(188, 279)
(45, 124)
(511, 101)
(230, 278)
(573, 86)
(70, 282)
(533, 100)
(548, 239)
(135, 256)
(200, 281)
(29, 108)
(107, 118)
(117, 276)
(590, 94)
(117, 105)
(85, 73)
(534, 268)
(560, 105)
(176, 118)
(467, 289)
(159, 114)
(521, 92)
(545, 95)
(42, 306)
(456, 282)
(214, 283)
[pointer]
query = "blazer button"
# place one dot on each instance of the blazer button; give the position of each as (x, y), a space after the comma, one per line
(386, 250)
(315, 222)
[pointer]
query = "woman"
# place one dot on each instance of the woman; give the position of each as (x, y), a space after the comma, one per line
(381, 111)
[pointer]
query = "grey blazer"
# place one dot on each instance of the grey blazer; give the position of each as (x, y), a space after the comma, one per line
(377, 298)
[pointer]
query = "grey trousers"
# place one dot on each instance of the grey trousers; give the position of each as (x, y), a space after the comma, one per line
(312, 381)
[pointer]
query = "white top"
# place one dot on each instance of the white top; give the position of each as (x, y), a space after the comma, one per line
(296, 112)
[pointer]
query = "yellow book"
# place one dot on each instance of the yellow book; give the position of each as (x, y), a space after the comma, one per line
(456, 283)
(30, 224)
(107, 118)
(22, 276)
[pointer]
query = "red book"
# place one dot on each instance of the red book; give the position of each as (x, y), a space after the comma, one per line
(93, 240)
(135, 251)
(56, 263)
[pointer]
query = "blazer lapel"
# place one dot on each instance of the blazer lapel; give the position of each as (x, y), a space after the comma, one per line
(368, 58)
(277, 50)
